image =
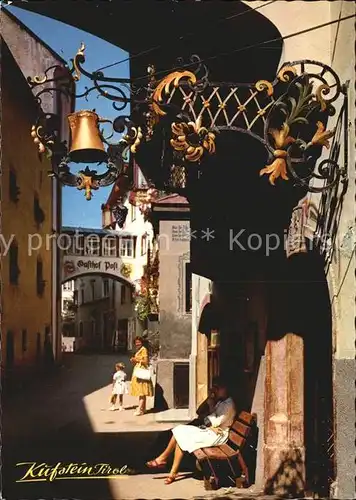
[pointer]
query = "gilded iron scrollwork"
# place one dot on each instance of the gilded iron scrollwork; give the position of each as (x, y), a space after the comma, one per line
(45, 131)
(288, 115)
(295, 128)
(192, 140)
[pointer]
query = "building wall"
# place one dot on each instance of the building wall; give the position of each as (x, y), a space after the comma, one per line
(137, 225)
(33, 57)
(341, 276)
(174, 321)
(332, 45)
(22, 308)
(31, 54)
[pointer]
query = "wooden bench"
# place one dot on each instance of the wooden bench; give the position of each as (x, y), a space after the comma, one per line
(241, 433)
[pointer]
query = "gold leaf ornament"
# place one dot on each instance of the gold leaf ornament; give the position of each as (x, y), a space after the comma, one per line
(278, 167)
(320, 92)
(164, 87)
(281, 137)
(322, 136)
(126, 270)
(264, 85)
(284, 73)
(87, 183)
(134, 141)
(193, 140)
(41, 143)
(79, 54)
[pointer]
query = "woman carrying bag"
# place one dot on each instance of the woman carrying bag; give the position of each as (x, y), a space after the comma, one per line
(141, 384)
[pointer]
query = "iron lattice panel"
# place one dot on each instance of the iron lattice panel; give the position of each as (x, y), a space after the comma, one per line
(224, 107)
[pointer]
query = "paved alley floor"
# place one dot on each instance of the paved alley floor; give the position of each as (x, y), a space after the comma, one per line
(65, 418)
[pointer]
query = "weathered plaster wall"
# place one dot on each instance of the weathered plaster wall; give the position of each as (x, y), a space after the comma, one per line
(341, 277)
(174, 322)
(292, 17)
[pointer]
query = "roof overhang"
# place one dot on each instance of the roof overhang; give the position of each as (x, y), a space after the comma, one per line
(167, 30)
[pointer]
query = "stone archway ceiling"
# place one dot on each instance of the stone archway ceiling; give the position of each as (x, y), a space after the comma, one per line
(141, 25)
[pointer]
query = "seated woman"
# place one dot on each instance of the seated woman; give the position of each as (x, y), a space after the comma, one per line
(213, 432)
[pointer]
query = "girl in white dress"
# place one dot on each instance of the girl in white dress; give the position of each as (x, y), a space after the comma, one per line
(119, 387)
(214, 432)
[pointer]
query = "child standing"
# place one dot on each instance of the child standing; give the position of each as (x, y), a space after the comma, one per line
(119, 387)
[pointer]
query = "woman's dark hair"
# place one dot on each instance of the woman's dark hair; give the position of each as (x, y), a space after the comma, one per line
(140, 339)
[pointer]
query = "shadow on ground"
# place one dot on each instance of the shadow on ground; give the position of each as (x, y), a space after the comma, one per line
(49, 423)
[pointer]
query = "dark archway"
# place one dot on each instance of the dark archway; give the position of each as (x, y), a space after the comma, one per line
(95, 322)
(102, 275)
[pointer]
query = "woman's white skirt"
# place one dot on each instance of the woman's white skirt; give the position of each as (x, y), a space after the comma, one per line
(190, 438)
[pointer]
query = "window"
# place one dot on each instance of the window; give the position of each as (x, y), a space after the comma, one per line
(66, 304)
(38, 213)
(13, 264)
(109, 247)
(123, 294)
(92, 286)
(75, 297)
(133, 213)
(82, 301)
(76, 246)
(24, 340)
(127, 247)
(144, 244)
(106, 288)
(188, 288)
(68, 286)
(40, 282)
(139, 179)
(92, 246)
(13, 188)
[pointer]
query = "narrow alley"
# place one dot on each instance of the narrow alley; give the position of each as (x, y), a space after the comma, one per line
(66, 419)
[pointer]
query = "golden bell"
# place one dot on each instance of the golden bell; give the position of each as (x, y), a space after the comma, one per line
(86, 144)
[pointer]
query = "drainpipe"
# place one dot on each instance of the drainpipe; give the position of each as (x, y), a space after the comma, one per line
(56, 281)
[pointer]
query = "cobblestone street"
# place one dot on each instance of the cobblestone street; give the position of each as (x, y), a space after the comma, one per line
(66, 419)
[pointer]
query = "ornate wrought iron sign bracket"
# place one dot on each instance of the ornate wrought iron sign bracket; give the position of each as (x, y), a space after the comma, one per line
(288, 115)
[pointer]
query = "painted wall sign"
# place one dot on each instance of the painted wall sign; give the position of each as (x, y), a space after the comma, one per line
(75, 266)
(181, 232)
